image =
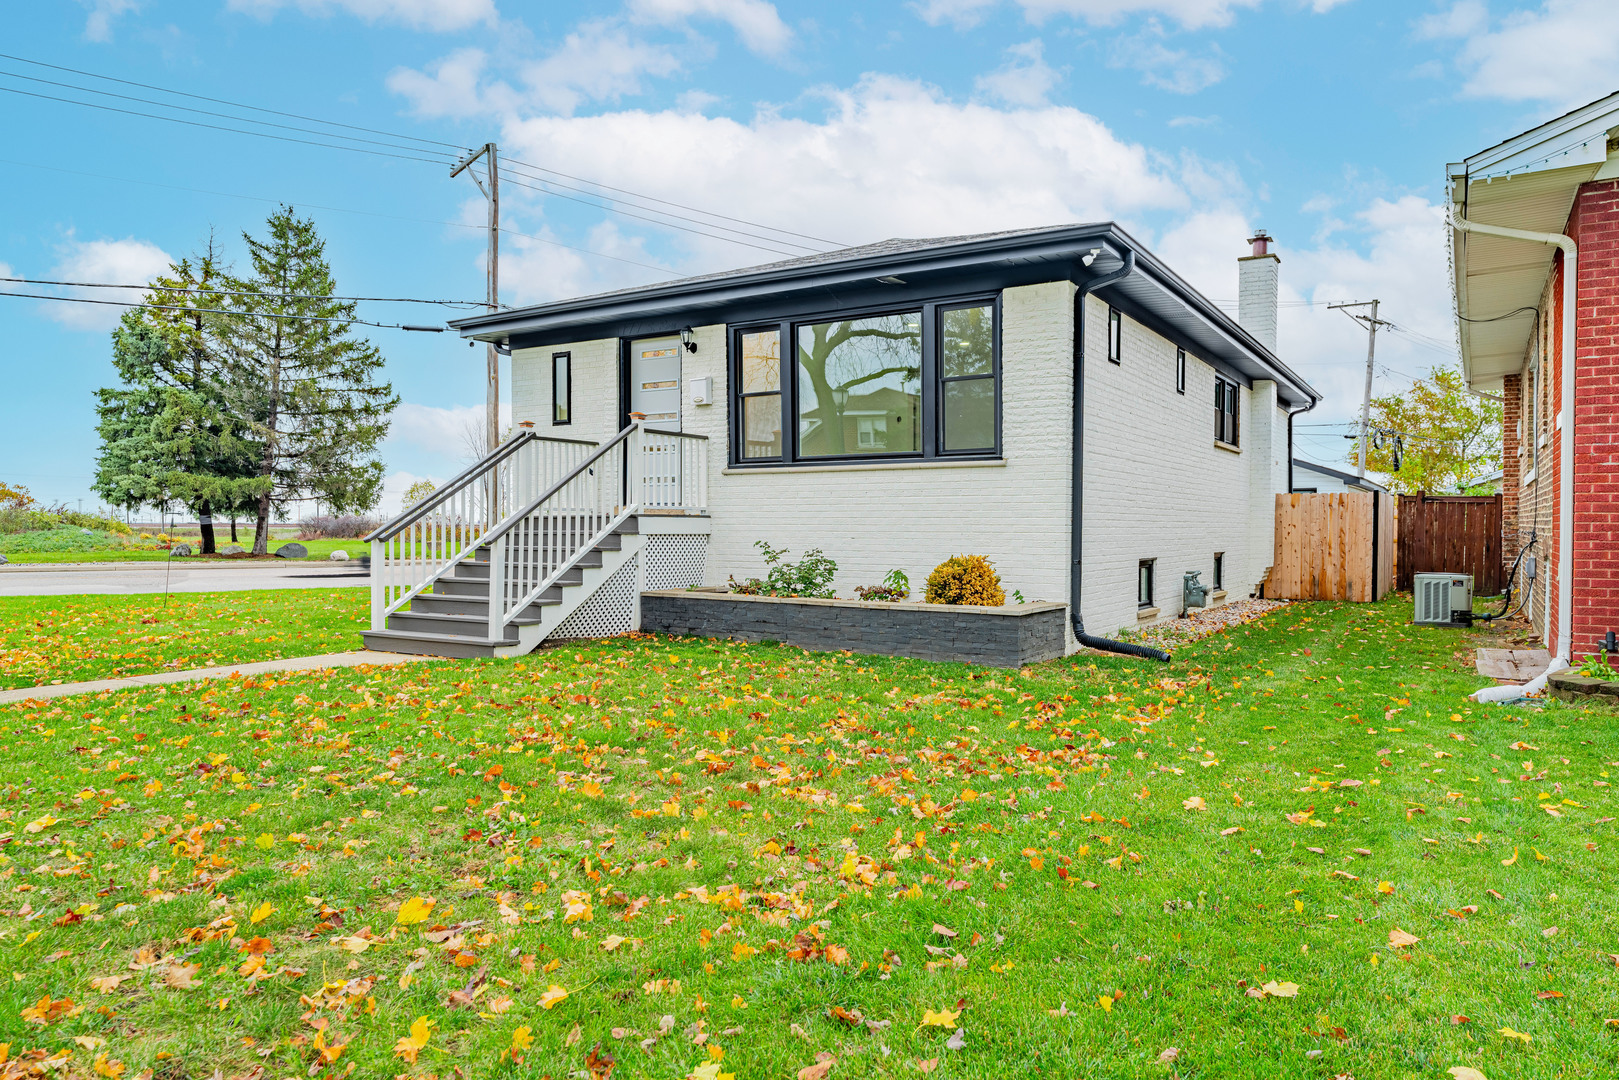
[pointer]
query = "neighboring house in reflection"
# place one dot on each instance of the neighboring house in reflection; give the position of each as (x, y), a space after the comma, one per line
(1056, 399)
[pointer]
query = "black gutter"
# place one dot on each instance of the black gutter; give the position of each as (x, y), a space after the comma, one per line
(1076, 539)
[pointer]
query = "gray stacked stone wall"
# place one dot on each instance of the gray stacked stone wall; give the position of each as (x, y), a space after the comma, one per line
(1007, 637)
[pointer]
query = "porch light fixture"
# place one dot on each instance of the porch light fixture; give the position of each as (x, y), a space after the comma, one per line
(688, 339)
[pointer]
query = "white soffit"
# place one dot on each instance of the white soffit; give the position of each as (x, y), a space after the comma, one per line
(1528, 182)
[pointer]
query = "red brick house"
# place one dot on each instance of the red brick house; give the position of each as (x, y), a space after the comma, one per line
(1535, 256)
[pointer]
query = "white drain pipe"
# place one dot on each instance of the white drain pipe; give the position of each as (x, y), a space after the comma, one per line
(1565, 464)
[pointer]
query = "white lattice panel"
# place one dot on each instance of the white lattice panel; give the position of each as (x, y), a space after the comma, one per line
(609, 611)
(675, 560)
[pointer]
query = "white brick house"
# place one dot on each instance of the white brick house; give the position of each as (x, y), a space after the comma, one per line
(944, 420)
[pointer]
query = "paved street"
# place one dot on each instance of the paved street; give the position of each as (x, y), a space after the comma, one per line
(43, 580)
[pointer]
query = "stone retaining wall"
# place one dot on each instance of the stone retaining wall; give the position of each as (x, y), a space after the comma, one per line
(1582, 690)
(1009, 636)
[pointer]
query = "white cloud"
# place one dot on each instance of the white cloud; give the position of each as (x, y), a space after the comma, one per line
(1175, 70)
(5, 272)
(1193, 121)
(1562, 53)
(1025, 79)
(890, 157)
(1191, 14)
(98, 24)
(438, 15)
(108, 261)
(962, 14)
(599, 61)
(450, 90)
(394, 486)
(756, 22)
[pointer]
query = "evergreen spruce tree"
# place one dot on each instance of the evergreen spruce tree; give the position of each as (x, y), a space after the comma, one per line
(307, 389)
(167, 433)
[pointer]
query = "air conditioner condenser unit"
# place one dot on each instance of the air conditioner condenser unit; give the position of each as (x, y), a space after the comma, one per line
(1443, 599)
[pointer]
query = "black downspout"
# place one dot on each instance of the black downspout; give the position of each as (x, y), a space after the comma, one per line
(1077, 532)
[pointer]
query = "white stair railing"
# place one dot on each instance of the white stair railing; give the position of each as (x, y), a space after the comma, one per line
(420, 546)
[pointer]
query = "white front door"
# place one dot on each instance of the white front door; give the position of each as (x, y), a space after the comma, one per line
(655, 382)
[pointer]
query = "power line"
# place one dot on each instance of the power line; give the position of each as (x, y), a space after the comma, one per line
(233, 104)
(223, 311)
(668, 202)
(243, 292)
(654, 221)
(207, 112)
(218, 127)
(335, 209)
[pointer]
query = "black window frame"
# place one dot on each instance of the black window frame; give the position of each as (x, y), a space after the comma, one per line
(565, 416)
(1227, 412)
(1219, 570)
(738, 396)
(1180, 371)
(1115, 335)
(1144, 577)
(932, 384)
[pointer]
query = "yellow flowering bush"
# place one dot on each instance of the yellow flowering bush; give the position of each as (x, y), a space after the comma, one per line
(965, 579)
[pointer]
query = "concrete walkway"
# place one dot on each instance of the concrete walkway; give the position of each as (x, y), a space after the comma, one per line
(299, 663)
(58, 579)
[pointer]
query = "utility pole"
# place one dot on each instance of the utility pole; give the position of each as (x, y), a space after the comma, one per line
(1371, 323)
(492, 194)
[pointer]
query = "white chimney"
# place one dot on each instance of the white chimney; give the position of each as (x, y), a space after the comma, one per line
(1257, 277)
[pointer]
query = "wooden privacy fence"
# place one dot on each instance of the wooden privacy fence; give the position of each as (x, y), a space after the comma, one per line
(1452, 534)
(1336, 546)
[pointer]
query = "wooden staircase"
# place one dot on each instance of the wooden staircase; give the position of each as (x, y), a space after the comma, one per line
(453, 619)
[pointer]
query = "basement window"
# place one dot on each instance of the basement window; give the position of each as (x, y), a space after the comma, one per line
(1219, 569)
(1144, 584)
(1115, 335)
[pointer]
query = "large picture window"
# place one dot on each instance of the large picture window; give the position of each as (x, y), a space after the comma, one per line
(919, 382)
(860, 386)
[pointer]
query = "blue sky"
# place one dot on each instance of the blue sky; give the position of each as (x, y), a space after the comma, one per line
(1327, 122)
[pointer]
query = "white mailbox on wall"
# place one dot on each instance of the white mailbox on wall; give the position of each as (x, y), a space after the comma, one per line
(702, 390)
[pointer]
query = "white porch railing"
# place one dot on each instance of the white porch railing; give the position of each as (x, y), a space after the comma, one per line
(419, 546)
(539, 505)
(637, 470)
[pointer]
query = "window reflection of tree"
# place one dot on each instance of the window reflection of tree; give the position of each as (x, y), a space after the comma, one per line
(845, 355)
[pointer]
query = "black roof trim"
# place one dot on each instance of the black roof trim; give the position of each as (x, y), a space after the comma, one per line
(1015, 257)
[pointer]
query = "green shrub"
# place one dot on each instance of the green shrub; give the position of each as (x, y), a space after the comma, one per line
(811, 576)
(965, 579)
(66, 538)
(1597, 666)
(895, 587)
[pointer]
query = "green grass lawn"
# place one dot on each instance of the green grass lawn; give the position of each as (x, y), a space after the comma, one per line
(46, 639)
(318, 549)
(703, 858)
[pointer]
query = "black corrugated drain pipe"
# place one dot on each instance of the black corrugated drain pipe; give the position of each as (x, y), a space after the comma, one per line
(1077, 533)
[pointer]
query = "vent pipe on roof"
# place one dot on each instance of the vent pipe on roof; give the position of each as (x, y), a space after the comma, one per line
(1258, 277)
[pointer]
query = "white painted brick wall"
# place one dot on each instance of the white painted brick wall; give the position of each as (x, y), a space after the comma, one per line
(1258, 277)
(1156, 486)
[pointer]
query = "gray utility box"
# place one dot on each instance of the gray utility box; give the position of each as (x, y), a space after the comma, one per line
(1443, 599)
